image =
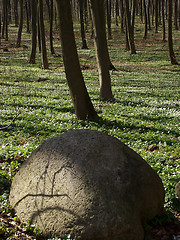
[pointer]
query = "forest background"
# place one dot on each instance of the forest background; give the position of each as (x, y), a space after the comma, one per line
(143, 110)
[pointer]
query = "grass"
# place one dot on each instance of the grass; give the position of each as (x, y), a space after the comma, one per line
(146, 110)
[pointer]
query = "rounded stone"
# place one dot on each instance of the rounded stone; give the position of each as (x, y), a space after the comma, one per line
(87, 184)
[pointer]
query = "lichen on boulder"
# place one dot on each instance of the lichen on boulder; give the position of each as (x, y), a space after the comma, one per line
(87, 184)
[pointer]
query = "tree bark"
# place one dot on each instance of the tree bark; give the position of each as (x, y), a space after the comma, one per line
(5, 21)
(83, 35)
(16, 16)
(108, 14)
(27, 15)
(129, 27)
(81, 101)
(145, 20)
(163, 23)
(34, 31)
(101, 47)
(170, 40)
(18, 43)
(45, 63)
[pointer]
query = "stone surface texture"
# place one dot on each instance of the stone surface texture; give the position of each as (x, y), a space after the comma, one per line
(87, 184)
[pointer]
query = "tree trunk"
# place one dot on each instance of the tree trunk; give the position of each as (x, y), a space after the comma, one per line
(108, 11)
(156, 15)
(170, 40)
(176, 14)
(148, 15)
(16, 17)
(129, 27)
(5, 21)
(27, 15)
(81, 101)
(145, 19)
(101, 47)
(117, 12)
(34, 31)
(51, 27)
(83, 36)
(163, 22)
(45, 63)
(21, 3)
(122, 15)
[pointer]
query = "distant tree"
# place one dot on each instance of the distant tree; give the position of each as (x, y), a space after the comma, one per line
(16, 16)
(81, 12)
(27, 15)
(21, 5)
(101, 47)
(34, 31)
(5, 20)
(130, 27)
(156, 9)
(176, 14)
(108, 14)
(145, 19)
(50, 5)
(83, 106)
(121, 6)
(44, 58)
(163, 21)
(170, 39)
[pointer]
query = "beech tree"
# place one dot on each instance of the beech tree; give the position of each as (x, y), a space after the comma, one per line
(83, 106)
(170, 40)
(21, 3)
(44, 58)
(130, 26)
(5, 20)
(34, 31)
(101, 47)
(81, 12)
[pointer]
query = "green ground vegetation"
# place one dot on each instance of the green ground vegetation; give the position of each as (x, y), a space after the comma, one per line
(146, 109)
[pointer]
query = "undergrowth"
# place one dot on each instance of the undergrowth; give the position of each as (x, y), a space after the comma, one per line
(36, 105)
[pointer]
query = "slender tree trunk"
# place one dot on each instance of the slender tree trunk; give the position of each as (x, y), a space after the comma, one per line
(156, 16)
(45, 63)
(148, 15)
(18, 43)
(5, 21)
(9, 11)
(170, 40)
(101, 47)
(108, 10)
(34, 31)
(127, 38)
(83, 36)
(117, 12)
(27, 15)
(16, 13)
(145, 19)
(163, 22)
(51, 27)
(176, 14)
(81, 101)
(130, 28)
(39, 34)
(122, 16)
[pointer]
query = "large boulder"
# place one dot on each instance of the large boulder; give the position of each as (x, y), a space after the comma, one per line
(87, 184)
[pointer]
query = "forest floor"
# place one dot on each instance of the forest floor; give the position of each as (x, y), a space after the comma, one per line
(35, 105)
